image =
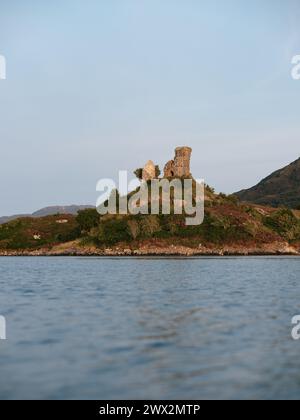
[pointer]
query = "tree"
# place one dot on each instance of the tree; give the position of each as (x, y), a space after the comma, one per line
(87, 219)
(139, 173)
(157, 171)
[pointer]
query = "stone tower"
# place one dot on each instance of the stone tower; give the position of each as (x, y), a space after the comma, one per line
(148, 171)
(180, 166)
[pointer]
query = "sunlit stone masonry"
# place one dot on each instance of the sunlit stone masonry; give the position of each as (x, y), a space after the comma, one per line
(180, 165)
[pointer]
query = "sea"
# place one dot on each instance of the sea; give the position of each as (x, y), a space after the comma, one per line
(149, 328)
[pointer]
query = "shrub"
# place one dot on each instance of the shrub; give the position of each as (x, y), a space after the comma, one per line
(149, 225)
(284, 223)
(68, 236)
(87, 219)
(209, 189)
(133, 227)
(157, 171)
(112, 231)
(233, 199)
(139, 173)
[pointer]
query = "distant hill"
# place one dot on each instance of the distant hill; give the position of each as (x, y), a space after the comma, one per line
(47, 211)
(281, 188)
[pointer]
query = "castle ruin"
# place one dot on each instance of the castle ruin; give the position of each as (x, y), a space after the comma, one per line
(180, 165)
(149, 171)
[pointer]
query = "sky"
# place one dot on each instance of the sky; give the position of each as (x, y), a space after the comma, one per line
(98, 86)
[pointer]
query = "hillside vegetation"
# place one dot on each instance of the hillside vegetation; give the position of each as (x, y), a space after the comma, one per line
(227, 222)
(35, 233)
(47, 211)
(281, 188)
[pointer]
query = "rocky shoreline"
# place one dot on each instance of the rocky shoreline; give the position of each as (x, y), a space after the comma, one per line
(74, 249)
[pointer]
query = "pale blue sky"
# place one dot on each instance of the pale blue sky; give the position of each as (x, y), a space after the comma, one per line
(100, 85)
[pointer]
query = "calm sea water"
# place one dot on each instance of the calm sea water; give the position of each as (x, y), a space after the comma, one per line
(100, 328)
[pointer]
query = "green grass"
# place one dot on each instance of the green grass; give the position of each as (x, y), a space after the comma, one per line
(227, 221)
(21, 233)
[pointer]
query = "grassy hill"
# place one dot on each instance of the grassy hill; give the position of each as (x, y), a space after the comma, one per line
(227, 223)
(35, 233)
(47, 211)
(281, 188)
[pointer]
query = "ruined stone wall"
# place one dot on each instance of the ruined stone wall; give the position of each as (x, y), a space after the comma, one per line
(148, 171)
(180, 166)
(169, 170)
(182, 161)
